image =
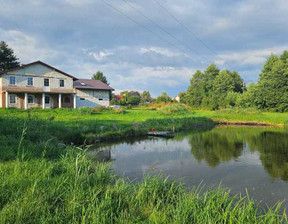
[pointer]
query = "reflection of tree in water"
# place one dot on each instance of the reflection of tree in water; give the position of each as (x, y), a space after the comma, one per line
(273, 149)
(216, 146)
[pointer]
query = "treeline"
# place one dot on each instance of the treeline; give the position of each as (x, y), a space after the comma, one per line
(134, 98)
(215, 89)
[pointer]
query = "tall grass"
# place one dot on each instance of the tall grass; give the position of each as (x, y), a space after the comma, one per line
(74, 189)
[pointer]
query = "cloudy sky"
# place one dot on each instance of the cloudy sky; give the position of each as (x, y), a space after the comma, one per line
(150, 45)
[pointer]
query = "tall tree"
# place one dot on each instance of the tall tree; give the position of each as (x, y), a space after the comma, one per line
(196, 90)
(273, 84)
(100, 76)
(146, 97)
(7, 58)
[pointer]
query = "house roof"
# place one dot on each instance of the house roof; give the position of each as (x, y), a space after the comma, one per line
(38, 62)
(91, 84)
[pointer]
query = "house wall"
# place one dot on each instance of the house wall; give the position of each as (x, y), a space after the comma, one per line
(38, 72)
(92, 98)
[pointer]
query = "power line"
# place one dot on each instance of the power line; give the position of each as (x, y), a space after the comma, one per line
(185, 27)
(143, 26)
(164, 30)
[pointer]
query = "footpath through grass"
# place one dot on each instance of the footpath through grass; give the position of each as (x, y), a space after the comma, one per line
(43, 179)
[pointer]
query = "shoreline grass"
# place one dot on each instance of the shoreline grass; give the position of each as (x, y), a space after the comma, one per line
(74, 189)
(44, 180)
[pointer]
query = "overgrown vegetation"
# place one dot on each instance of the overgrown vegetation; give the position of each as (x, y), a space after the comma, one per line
(44, 180)
(74, 189)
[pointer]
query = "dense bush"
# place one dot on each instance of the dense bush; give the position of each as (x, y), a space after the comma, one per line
(174, 109)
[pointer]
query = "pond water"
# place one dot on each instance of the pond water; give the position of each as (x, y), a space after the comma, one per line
(252, 158)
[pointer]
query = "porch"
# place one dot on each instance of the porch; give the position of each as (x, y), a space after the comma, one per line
(38, 100)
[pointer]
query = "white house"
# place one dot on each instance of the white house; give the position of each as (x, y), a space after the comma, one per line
(38, 84)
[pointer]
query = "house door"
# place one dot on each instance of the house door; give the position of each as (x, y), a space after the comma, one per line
(48, 102)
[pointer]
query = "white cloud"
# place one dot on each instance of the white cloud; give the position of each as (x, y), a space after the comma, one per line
(26, 47)
(163, 51)
(101, 55)
(254, 57)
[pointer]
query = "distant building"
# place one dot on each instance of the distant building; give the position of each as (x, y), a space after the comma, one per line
(177, 98)
(92, 93)
(40, 85)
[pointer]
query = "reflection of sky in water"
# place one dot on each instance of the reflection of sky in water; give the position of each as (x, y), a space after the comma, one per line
(232, 156)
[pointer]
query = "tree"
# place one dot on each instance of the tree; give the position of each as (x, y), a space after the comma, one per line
(273, 84)
(223, 84)
(146, 97)
(130, 98)
(7, 58)
(196, 90)
(163, 98)
(99, 76)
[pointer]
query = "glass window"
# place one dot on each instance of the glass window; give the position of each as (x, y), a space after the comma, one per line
(82, 98)
(47, 99)
(12, 99)
(12, 80)
(30, 81)
(61, 83)
(46, 82)
(30, 99)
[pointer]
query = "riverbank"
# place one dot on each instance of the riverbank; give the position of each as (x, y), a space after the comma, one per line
(45, 179)
(74, 189)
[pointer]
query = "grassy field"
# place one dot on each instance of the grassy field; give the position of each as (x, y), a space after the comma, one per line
(43, 179)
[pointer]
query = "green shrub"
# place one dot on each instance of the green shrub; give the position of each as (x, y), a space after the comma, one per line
(174, 109)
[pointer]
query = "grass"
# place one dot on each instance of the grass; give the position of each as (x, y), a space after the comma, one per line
(43, 179)
(74, 189)
(245, 116)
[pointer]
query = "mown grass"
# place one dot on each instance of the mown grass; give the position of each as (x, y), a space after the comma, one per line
(74, 189)
(242, 116)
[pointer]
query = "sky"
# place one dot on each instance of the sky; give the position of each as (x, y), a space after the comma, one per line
(153, 45)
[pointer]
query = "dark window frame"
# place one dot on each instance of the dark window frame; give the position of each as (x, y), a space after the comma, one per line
(12, 97)
(61, 83)
(29, 98)
(31, 82)
(10, 79)
(46, 82)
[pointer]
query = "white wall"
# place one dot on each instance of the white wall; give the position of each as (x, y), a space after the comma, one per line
(38, 72)
(90, 98)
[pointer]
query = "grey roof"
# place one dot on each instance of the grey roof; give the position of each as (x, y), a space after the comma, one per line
(91, 84)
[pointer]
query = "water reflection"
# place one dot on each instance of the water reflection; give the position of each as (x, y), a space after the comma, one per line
(253, 158)
(224, 144)
(215, 148)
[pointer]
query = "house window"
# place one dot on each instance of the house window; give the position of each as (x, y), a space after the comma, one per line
(30, 99)
(12, 99)
(61, 82)
(66, 99)
(30, 81)
(46, 82)
(12, 80)
(100, 99)
(47, 99)
(82, 98)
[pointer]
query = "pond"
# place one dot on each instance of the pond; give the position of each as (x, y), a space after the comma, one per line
(252, 158)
